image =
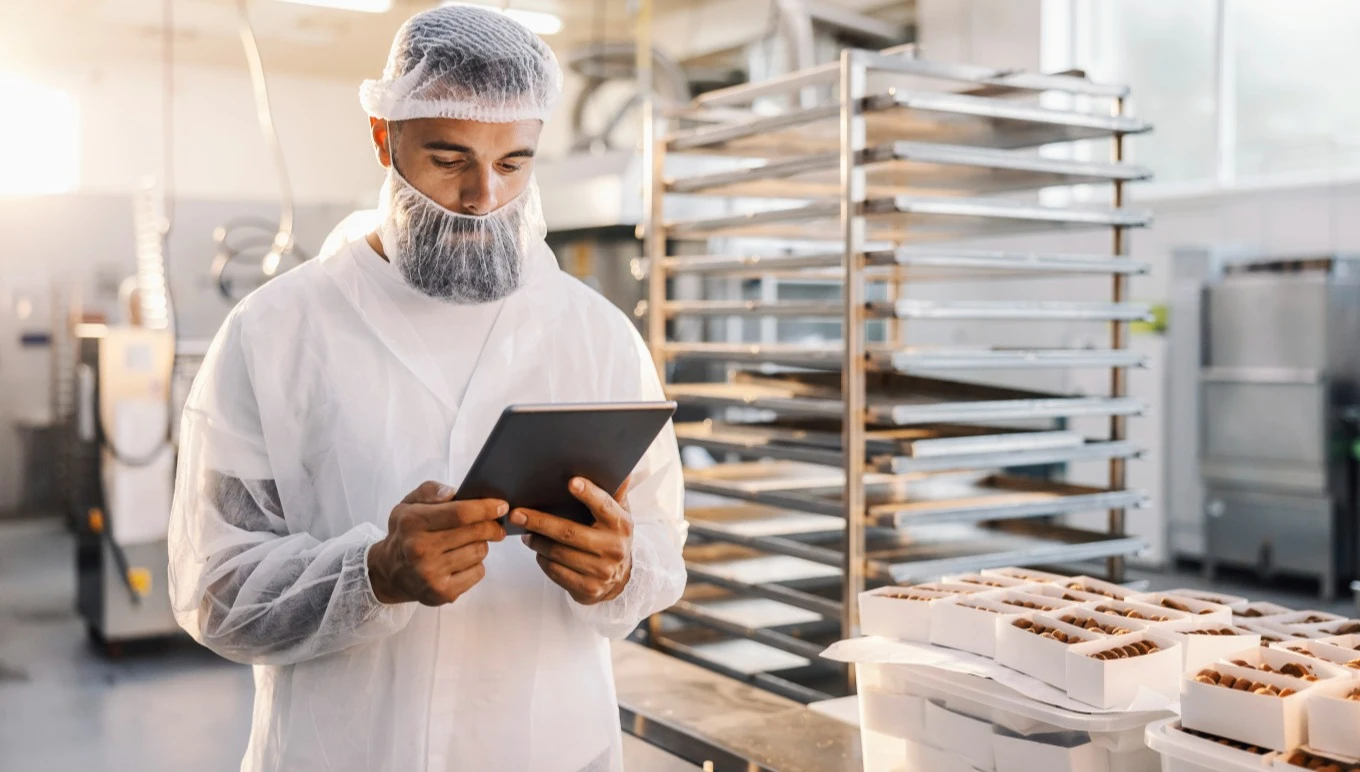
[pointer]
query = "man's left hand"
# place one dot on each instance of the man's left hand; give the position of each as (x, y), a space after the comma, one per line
(591, 562)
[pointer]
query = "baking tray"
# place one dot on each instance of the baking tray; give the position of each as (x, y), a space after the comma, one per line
(916, 168)
(907, 219)
(916, 263)
(904, 115)
(755, 442)
(910, 499)
(944, 310)
(895, 399)
(908, 359)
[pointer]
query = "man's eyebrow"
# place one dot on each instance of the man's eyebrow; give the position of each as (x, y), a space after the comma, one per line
(451, 147)
(524, 152)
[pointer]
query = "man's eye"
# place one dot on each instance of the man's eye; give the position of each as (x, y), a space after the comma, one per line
(453, 164)
(510, 168)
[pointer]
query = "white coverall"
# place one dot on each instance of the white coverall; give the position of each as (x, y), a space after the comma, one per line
(317, 409)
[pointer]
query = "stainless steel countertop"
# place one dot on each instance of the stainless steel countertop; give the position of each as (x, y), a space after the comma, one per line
(689, 710)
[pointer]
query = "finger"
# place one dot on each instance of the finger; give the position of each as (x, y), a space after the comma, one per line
(582, 563)
(455, 514)
(463, 558)
(621, 495)
(608, 513)
(430, 492)
(453, 538)
(561, 530)
(575, 584)
(455, 585)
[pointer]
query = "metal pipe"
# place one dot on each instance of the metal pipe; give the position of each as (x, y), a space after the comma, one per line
(853, 378)
(797, 26)
(1118, 376)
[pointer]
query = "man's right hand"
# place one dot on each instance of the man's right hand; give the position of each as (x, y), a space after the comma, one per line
(434, 546)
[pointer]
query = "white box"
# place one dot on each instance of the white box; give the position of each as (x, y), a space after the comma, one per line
(897, 618)
(1109, 683)
(1293, 620)
(1344, 627)
(1041, 603)
(1099, 587)
(896, 715)
(1338, 651)
(1053, 752)
(1034, 655)
(1058, 591)
(988, 581)
(1185, 752)
(1333, 720)
(1259, 610)
(969, 623)
(1268, 635)
(1234, 602)
(1199, 650)
(1195, 606)
(1079, 615)
(1026, 575)
(966, 736)
(1147, 612)
(953, 588)
(1278, 723)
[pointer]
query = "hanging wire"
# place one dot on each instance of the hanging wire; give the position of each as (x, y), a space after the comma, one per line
(283, 243)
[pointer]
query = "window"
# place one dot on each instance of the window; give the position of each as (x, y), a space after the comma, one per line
(40, 153)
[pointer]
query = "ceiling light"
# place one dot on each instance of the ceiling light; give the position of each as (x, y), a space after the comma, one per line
(538, 22)
(367, 6)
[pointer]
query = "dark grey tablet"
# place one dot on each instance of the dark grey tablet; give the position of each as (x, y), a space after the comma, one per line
(535, 450)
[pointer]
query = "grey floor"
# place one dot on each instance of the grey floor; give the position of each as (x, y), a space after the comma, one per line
(172, 707)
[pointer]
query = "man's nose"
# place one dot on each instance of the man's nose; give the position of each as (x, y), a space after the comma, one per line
(478, 195)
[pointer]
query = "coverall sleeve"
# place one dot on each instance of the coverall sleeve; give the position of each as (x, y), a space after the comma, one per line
(242, 582)
(656, 499)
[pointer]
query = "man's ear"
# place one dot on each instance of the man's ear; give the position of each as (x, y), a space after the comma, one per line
(379, 129)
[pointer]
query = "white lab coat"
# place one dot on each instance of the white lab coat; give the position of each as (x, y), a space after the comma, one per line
(313, 415)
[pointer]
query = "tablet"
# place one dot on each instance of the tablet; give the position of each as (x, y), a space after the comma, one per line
(535, 450)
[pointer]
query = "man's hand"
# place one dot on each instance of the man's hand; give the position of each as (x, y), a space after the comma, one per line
(592, 563)
(434, 546)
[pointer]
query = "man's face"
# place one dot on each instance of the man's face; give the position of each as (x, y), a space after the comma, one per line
(467, 167)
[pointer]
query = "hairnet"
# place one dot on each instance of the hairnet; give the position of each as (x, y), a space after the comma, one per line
(465, 62)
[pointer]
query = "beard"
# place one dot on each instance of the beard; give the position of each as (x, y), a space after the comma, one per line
(455, 257)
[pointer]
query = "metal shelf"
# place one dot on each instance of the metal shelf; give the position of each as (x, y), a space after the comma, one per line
(929, 263)
(752, 443)
(904, 115)
(908, 219)
(910, 359)
(898, 501)
(895, 400)
(1015, 310)
(911, 168)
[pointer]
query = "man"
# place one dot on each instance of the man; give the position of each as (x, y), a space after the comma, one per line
(314, 535)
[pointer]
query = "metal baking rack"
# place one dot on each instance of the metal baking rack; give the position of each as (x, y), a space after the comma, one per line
(857, 459)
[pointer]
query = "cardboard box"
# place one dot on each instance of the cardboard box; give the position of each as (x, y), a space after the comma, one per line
(1268, 635)
(1199, 650)
(954, 588)
(969, 623)
(1051, 752)
(1278, 723)
(1333, 720)
(897, 618)
(1077, 615)
(1016, 599)
(1195, 606)
(987, 581)
(1339, 651)
(1295, 620)
(1026, 575)
(1058, 591)
(1259, 610)
(896, 715)
(966, 736)
(1037, 656)
(1344, 627)
(1109, 683)
(1099, 587)
(1234, 602)
(1147, 612)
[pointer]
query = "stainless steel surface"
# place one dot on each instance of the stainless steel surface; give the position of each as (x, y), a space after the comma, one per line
(908, 219)
(910, 359)
(913, 499)
(1018, 310)
(1271, 532)
(910, 168)
(1268, 320)
(910, 264)
(668, 702)
(899, 400)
